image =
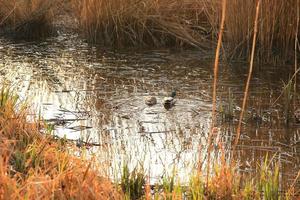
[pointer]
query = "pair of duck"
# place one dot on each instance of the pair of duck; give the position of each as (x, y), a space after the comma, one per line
(168, 102)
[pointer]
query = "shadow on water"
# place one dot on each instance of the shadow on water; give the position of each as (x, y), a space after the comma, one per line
(95, 96)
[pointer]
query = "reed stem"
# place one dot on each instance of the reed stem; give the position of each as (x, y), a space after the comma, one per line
(249, 75)
(216, 69)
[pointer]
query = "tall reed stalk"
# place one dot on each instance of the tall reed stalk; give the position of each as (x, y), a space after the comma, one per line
(296, 51)
(214, 99)
(249, 75)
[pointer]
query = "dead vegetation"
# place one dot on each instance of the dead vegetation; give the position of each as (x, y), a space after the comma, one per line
(35, 166)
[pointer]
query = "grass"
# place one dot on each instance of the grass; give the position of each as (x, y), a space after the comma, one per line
(34, 165)
(133, 183)
(166, 23)
(193, 23)
(143, 23)
(269, 181)
(276, 35)
(28, 19)
(288, 97)
(227, 108)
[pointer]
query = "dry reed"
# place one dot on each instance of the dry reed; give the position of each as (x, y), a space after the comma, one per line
(249, 75)
(276, 31)
(216, 67)
(143, 23)
(27, 19)
(192, 22)
(296, 49)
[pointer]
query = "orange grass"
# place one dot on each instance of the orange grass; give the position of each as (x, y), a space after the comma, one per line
(35, 166)
(276, 30)
(143, 23)
(192, 22)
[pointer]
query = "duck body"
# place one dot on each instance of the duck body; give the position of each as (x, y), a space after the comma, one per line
(150, 101)
(297, 115)
(169, 102)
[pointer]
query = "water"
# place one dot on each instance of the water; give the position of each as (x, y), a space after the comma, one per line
(95, 96)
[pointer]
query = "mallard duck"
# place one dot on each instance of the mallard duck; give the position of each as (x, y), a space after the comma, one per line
(169, 102)
(297, 115)
(150, 101)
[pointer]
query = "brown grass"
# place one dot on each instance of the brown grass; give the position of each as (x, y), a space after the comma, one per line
(143, 22)
(35, 166)
(276, 29)
(158, 23)
(192, 22)
(27, 19)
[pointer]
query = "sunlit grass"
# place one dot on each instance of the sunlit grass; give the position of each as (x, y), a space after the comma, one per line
(35, 166)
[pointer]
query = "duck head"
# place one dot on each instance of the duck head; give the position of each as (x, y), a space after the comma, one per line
(173, 94)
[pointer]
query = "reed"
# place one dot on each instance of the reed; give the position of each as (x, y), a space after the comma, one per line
(249, 74)
(143, 23)
(27, 19)
(193, 23)
(288, 96)
(227, 108)
(277, 29)
(214, 98)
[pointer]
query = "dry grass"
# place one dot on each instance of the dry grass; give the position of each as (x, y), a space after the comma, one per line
(167, 23)
(35, 166)
(276, 29)
(27, 18)
(143, 22)
(192, 22)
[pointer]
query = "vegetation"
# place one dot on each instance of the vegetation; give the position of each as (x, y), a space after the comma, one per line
(187, 23)
(141, 23)
(27, 19)
(34, 165)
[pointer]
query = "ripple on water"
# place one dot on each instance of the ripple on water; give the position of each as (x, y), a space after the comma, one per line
(97, 94)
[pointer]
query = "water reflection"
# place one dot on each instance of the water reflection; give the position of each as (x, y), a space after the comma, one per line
(97, 95)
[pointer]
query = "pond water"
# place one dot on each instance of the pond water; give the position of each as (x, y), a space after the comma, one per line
(95, 96)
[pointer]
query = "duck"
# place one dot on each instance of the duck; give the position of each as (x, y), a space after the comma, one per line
(150, 101)
(169, 101)
(297, 115)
